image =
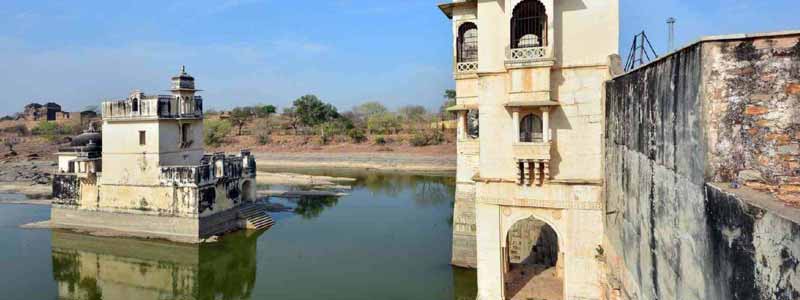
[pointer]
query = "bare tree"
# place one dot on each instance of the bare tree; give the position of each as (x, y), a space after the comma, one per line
(10, 142)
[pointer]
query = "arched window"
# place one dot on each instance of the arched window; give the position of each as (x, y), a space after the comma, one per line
(473, 126)
(467, 42)
(185, 133)
(135, 104)
(530, 129)
(529, 25)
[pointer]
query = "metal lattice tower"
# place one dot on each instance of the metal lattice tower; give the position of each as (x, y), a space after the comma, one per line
(642, 52)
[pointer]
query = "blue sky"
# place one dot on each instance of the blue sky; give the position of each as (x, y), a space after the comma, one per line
(264, 51)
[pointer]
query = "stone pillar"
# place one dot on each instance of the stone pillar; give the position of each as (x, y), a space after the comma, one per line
(490, 254)
(462, 125)
(515, 119)
(546, 124)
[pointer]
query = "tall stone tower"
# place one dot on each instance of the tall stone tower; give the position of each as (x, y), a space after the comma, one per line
(167, 130)
(529, 82)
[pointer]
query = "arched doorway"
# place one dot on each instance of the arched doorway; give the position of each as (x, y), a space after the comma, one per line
(248, 192)
(533, 269)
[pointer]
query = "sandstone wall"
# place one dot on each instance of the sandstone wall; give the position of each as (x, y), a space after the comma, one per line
(676, 125)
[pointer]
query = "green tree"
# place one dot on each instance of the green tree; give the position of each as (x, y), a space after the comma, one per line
(370, 109)
(215, 131)
(449, 100)
(240, 116)
(311, 111)
(291, 116)
(264, 111)
(383, 123)
(413, 113)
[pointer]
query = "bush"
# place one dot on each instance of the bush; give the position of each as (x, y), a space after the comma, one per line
(19, 129)
(427, 138)
(380, 140)
(357, 135)
(48, 130)
(264, 131)
(383, 123)
(215, 131)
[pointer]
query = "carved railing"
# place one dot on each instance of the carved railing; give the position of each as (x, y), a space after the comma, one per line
(187, 175)
(211, 169)
(526, 54)
(153, 107)
(66, 189)
(467, 67)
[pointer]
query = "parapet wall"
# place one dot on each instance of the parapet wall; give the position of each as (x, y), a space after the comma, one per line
(718, 110)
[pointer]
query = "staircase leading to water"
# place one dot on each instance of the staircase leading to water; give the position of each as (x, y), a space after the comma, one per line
(255, 217)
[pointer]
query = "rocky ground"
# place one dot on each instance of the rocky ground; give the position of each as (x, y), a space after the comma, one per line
(31, 178)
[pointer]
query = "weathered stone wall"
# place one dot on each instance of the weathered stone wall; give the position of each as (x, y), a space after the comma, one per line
(671, 128)
(754, 251)
(752, 91)
(655, 233)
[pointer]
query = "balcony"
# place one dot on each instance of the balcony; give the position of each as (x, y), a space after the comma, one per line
(211, 169)
(466, 67)
(532, 151)
(533, 163)
(527, 56)
(156, 107)
(187, 175)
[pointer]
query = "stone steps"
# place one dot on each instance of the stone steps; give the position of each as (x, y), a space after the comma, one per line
(255, 217)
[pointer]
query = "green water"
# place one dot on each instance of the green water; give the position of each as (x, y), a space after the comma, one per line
(389, 239)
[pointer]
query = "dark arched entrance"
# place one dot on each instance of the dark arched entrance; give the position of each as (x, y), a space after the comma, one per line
(532, 262)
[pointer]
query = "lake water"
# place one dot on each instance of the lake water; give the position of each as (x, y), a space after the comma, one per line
(389, 239)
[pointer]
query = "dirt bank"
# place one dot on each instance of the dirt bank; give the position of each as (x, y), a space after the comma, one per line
(368, 161)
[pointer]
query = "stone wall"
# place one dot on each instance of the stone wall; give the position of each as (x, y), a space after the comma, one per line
(752, 94)
(719, 110)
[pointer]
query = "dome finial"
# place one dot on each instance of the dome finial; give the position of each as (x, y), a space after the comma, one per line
(183, 69)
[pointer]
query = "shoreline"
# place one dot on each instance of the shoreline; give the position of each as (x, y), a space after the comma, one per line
(369, 161)
(297, 163)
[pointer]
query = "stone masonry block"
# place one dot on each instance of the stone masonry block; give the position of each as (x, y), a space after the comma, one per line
(793, 89)
(755, 110)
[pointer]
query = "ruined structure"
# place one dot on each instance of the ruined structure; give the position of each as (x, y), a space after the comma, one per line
(702, 172)
(48, 112)
(151, 177)
(529, 79)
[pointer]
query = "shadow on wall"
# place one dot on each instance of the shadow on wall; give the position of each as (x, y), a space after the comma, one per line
(558, 121)
(562, 6)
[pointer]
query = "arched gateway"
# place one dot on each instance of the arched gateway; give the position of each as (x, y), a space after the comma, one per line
(528, 211)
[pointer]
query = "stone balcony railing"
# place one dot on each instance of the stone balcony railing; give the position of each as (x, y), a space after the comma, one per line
(212, 168)
(188, 175)
(516, 56)
(533, 163)
(466, 67)
(532, 151)
(160, 107)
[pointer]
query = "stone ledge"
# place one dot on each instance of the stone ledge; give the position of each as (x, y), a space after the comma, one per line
(762, 200)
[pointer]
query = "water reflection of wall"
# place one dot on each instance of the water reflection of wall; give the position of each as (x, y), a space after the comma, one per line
(91, 268)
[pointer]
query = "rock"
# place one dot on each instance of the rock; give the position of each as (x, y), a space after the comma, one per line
(750, 175)
(789, 149)
(211, 239)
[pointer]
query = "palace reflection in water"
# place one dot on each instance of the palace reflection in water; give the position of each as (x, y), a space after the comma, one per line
(387, 238)
(92, 268)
